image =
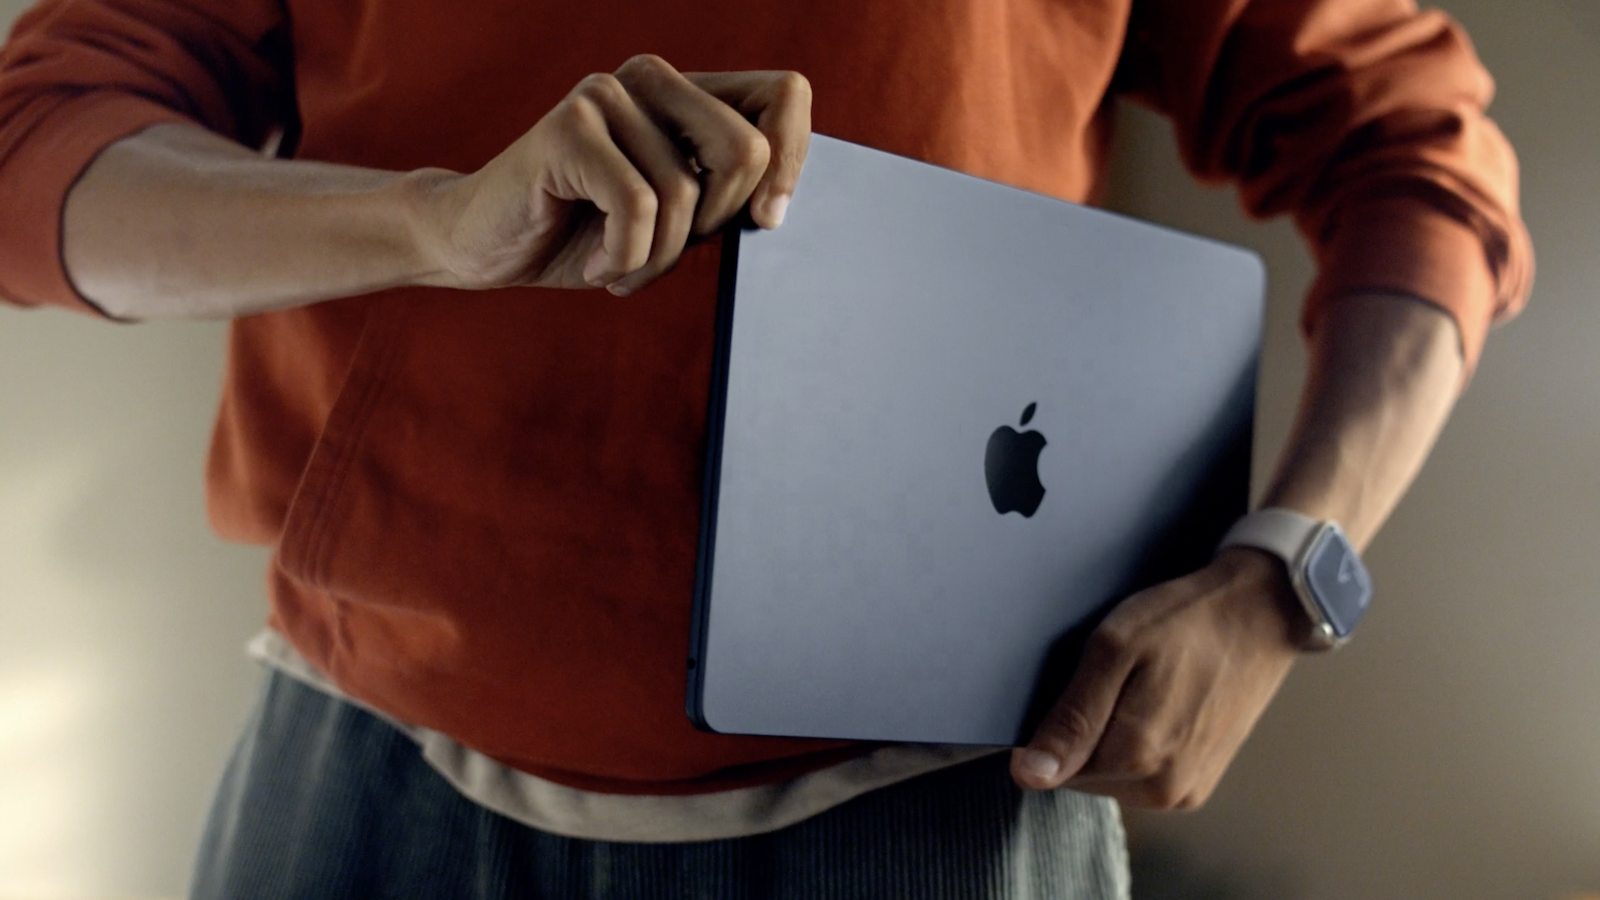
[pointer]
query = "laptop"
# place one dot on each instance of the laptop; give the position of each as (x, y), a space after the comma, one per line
(952, 422)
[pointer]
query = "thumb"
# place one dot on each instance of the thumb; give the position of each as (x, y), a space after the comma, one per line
(1070, 733)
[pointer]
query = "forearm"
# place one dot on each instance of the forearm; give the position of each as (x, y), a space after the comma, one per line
(176, 222)
(1385, 371)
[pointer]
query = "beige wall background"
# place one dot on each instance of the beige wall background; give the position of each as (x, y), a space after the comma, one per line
(1453, 751)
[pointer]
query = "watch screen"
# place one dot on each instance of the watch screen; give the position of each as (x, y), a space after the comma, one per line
(1338, 581)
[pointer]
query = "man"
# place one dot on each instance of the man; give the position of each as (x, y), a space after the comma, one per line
(483, 504)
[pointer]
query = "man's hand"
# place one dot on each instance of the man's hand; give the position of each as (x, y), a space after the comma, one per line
(1173, 680)
(607, 189)
(604, 191)
(1169, 686)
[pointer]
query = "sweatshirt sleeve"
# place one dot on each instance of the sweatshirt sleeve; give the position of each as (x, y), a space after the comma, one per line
(79, 75)
(1365, 120)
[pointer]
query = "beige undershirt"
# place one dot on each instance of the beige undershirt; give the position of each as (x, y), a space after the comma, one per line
(559, 809)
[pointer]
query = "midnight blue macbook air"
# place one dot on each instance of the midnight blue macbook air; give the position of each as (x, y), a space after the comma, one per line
(951, 423)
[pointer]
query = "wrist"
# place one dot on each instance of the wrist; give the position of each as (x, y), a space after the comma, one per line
(426, 207)
(1258, 574)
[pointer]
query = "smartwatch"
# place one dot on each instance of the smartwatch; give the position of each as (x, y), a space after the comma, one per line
(1333, 586)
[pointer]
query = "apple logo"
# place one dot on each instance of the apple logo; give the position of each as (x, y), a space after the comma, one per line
(1011, 466)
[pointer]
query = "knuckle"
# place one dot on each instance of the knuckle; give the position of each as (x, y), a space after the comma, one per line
(1142, 758)
(579, 112)
(1069, 723)
(792, 87)
(644, 65)
(639, 201)
(750, 150)
(681, 190)
(1108, 642)
(601, 88)
(1167, 791)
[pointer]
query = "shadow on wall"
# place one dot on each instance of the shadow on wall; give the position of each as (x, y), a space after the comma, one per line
(1167, 870)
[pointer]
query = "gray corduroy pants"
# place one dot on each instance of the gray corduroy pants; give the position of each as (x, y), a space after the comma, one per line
(323, 800)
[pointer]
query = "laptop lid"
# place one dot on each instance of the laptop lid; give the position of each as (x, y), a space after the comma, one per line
(951, 422)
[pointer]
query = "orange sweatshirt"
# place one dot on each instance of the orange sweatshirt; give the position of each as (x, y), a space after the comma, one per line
(484, 506)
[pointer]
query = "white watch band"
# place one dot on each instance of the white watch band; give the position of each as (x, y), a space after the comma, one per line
(1275, 530)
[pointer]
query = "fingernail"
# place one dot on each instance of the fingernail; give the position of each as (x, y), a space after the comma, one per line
(777, 206)
(619, 290)
(1039, 764)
